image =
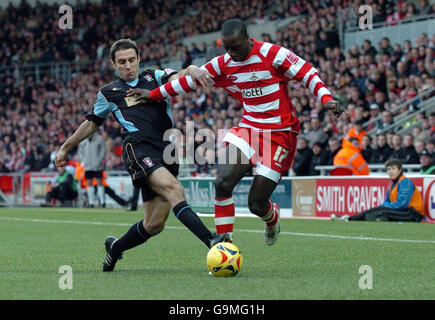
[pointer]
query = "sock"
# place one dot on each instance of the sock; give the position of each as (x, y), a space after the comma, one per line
(224, 215)
(271, 216)
(135, 236)
(190, 219)
(91, 194)
(100, 193)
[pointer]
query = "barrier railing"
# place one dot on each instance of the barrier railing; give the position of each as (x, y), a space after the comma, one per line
(374, 168)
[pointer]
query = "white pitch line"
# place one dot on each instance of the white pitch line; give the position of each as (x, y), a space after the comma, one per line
(300, 234)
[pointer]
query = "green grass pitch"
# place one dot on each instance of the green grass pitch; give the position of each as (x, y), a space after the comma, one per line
(313, 259)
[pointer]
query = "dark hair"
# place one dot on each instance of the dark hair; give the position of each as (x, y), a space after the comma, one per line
(394, 162)
(233, 27)
(122, 44)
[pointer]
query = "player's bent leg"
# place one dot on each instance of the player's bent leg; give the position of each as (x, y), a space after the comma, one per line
(165, 184)
(228, 177)
(259, 203)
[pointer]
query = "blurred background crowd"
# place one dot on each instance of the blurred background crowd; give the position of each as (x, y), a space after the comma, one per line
(370, 80)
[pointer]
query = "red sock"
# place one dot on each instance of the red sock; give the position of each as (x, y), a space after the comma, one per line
(271, 216)
(224, 215)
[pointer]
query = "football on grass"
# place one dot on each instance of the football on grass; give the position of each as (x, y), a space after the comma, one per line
(224, 259)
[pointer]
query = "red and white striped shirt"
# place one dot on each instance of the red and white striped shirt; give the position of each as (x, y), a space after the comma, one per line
(259, 83)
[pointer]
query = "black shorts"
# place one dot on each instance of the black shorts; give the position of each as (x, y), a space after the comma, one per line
(93, 174)
(142, 159)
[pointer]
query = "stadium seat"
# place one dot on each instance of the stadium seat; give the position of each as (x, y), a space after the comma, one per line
(6, 184)
(340, 172)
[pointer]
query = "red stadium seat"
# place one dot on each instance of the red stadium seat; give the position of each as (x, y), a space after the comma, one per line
(340, 172)
(6, 185)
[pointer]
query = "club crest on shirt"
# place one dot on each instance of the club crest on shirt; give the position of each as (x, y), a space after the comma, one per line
(254, 77)
(292, 58)
(148, 161)
(148, 77)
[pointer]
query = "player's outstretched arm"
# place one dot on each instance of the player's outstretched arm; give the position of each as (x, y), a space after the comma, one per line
(198, 75)
(86, 129)
(173, 88)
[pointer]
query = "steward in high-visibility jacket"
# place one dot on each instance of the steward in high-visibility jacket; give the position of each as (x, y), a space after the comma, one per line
(350, 157)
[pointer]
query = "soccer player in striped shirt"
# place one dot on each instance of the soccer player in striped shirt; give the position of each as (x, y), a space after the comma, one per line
(256, 73)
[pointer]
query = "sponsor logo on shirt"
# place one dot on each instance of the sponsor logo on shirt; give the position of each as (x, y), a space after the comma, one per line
(252, 92)
(131, 101)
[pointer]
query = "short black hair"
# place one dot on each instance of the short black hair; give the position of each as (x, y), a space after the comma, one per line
(394, 162)
(122, 44)
(233, 27)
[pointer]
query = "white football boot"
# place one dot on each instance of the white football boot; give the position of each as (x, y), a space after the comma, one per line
(271, 234)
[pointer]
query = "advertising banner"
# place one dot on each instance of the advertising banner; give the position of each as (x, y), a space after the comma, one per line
(200, 195)
(322, 196)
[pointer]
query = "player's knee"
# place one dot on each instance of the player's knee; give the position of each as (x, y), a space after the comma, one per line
(223, 186)
(257, 207)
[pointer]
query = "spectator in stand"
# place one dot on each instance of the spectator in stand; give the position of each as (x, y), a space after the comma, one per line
(430, 146)
(432, 124)
(427, 163)
(334, 146)
(302, 162)
(316, 134)
(374, 113)
(350, 157)
(419, 146)
(368, 49)
(367, 150)
(387, 119)
(426, 128)
(408, 146)
(398, 152)
(319, 158)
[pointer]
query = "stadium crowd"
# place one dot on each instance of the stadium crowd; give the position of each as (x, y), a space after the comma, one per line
(371, 80)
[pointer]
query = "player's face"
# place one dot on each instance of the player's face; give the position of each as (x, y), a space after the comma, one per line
(127, 64)
(238, 47)
(394, 172)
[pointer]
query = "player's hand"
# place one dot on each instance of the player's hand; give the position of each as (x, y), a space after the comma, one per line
(60, 160)
(202, 76)
(336, 107)
(139, 93)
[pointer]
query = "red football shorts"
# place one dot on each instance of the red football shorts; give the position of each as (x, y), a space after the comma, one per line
(271, 153)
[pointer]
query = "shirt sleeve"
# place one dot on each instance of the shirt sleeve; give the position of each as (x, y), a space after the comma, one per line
(294, 67)
(186, 83)
(162, 76)
(100, 110)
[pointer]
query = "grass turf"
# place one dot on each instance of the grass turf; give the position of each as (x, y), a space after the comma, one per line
(313, 259)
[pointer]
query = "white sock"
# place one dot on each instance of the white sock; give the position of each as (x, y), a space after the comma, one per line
(91, 194)
(100, 193)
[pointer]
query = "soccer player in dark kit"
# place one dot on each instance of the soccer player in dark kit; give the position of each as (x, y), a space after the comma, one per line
(144, 124)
